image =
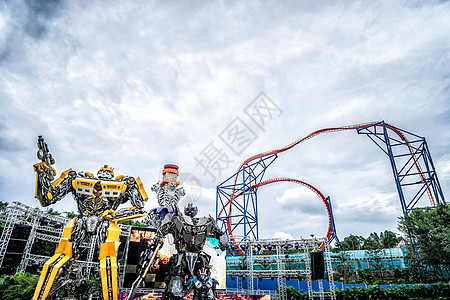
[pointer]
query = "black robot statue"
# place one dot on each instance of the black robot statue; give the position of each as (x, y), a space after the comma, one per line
(189, 235)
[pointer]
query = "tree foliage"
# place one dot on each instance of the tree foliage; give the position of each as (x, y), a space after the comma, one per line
(429, 229)
(439, 291)
(3, 205)
(435, 291)
(18, 286)
(386, 239)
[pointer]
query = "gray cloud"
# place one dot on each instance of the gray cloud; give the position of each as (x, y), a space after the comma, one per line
(39, 12)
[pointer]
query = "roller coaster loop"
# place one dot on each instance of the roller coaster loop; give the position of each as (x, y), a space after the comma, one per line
(331, 232)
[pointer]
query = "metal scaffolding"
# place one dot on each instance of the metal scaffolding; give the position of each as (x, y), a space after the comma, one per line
(16, 214)
(282, 273)
(24, 262)
(44, 226)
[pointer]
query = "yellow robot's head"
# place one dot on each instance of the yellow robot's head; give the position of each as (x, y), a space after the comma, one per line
(105, 172)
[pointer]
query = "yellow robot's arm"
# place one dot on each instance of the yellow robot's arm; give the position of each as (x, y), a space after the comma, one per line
(136, 194)
(48, 191)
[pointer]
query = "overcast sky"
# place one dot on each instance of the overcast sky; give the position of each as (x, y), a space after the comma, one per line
(137, 84)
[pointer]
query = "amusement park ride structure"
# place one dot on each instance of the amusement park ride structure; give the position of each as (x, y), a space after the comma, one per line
(409, 156)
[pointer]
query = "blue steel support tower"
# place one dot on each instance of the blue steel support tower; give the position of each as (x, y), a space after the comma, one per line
(411, 163)
(240, 216)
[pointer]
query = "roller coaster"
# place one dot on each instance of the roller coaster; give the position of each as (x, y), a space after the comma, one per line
(408, 153)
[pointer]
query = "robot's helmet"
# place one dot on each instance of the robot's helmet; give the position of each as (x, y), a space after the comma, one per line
(190, 210)
(105, 172)
(203, 275)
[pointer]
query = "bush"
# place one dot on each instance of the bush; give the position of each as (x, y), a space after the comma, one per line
(292, 293)
(435, 291)
(18, 286)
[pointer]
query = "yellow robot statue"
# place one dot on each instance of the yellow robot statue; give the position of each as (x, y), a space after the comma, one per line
(98, 198)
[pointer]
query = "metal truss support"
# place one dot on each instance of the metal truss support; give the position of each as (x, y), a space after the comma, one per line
(15, 213)
(333, 226)
(321, 293)
(281, 278)
(327, 256)
(250, 284)
(308, 273)
(240, 285)
(411, 163)
(48, 237)
(238, 201)
(11, 217)
(26, 252)
(90, 255)
(282, 272)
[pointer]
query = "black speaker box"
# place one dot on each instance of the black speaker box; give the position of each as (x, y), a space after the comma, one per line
(317, 265)
(16, 246)
(21, 231)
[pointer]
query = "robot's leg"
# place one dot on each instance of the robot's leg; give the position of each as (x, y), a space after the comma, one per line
(50, 270)
(210, 294)
(174, 289)
(108, 263)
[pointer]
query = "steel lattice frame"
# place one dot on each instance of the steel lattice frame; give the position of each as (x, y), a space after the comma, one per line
(24, 262)
(19, 213)
(11, 216)
(281, 273)
(246, 219)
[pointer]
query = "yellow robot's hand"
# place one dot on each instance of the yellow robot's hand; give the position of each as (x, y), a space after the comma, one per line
(42, 166)
(109, 214)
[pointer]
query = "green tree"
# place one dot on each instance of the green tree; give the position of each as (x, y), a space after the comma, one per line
(389, 239)
(3, 205)
(351, 242)
(53, 212)
(372, 242)
(71, 214)
(293, 294)
(242, 265)
(429, 229)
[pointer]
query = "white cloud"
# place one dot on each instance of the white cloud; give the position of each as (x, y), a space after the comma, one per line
(136, 84)
(282, 236)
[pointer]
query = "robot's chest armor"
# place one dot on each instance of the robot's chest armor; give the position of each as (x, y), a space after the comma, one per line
(195, 240)
(95, 206)
(193, 232)
(110, 189)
